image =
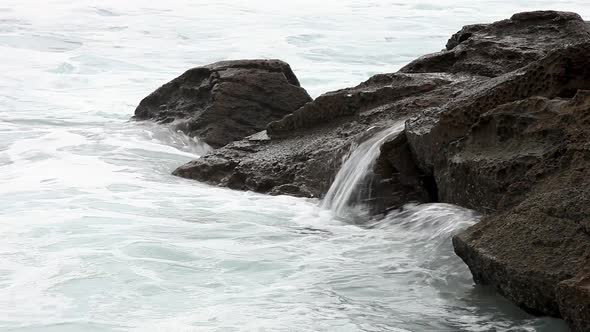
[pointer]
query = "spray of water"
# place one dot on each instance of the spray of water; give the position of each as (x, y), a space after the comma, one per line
(356, 170)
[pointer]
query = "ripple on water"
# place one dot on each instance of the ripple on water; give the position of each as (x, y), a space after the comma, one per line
(64, 68)
(43, 43)
(105, 12)
(304, 39)
(93, 64)
(157, 251)
(12, 25)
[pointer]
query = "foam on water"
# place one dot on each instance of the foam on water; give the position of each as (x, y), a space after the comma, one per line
(98, 236)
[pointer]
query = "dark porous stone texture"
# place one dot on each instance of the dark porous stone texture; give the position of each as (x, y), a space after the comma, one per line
(305, 150)
(573, 297)
(226, 101)
(531, 160)
(497, 48)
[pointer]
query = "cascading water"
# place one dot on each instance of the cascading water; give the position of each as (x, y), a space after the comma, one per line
(356, 170)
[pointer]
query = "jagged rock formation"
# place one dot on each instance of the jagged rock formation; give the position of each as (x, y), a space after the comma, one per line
(530, 158)
(501, 47)
(226, 101)
(304, 161)
(498, 122)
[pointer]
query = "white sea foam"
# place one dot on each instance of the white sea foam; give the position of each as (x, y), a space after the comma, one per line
(98, 236)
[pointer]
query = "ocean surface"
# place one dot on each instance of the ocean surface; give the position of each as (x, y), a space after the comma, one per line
(96, 235)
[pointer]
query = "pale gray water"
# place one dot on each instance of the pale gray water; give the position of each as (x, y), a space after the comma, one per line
(97, 236)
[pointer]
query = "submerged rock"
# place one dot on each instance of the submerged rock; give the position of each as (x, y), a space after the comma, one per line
(499, 122)
(226, 101)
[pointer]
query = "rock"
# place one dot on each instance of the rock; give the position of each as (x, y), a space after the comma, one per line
(526, 164)
(573, 296)
(503, 156)
(559, 74)
(306, 148)
(226, 101)
(298, 166)
(526, 252)
(379, 90)
(523, 161)
(336, 120)
(499, 122)
(501, 47)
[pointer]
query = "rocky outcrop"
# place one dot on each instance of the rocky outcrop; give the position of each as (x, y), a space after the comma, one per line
(400, 92)
(516, 149)
(530, 158)
(299, 166)
(507, 104)
(304, 150)
(498, 122)
(555, 75)
(226, 101)
(501, 47)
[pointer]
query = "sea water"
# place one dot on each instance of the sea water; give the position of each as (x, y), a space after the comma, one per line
(96, 235)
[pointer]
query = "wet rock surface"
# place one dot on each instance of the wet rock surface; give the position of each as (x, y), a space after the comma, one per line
(573, 296)
(299, 166)
(501, 47)
(226, 101)
(499, 122)
(398, 180)
(304, 150)
(534, 171)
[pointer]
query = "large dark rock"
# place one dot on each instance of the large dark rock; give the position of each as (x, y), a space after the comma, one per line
(516, 149)
(530, 159)
(226, 101)
(307, 147)
(499, 122)
(573, 296)
(555, 75)
(299, 166)
(497, 48)
(396, 90)
(491, 127)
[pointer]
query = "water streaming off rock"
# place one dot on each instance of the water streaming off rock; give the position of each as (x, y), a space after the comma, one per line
(98, 236)
(342, 197)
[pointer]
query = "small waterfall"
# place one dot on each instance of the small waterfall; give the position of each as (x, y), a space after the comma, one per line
(355, 171)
